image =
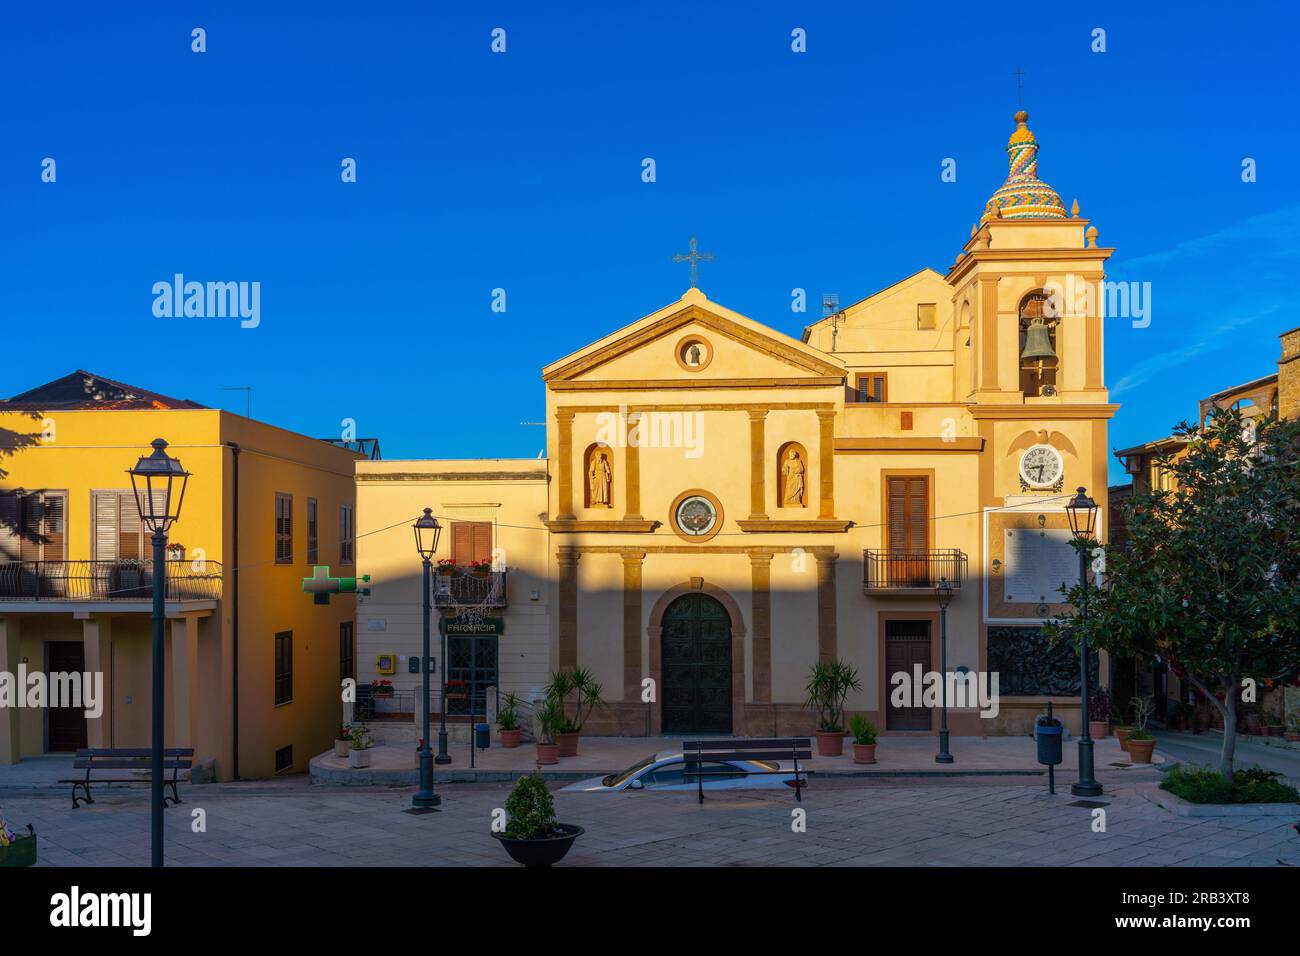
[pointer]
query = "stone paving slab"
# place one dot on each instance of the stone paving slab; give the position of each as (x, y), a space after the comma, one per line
(849, 822)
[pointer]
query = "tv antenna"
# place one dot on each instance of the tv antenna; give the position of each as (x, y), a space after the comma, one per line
(831, 310)
(248, 397)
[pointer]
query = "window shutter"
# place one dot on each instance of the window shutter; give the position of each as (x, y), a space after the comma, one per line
(462, 542)
(129, 547)
(55, 514)
(482, 541)
(9, 546)
(918, 517)
(897, 511)
(104, 543)
(31, 524)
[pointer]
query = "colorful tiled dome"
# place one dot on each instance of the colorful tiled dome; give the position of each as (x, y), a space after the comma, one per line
(1024, 195)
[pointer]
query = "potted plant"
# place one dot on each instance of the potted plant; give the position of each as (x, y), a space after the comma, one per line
(508, 721)
(1175, 714)
(1119, 728)
(1293, 732)
(1099, 715)
(532, 835)
(481, 568)
(1249, 714)
(829, 683)
(1141, 743)
(343, 742)
(446, 566)
(16, 849)
(1276, 725)
(175, 551)
(581, 683)
(864, 739)
(549, 717)
(381, 688)
(362, 742)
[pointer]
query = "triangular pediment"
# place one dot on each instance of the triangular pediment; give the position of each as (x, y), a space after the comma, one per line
(657, 347)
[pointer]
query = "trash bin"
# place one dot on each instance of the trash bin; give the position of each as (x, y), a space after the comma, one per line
(483, 736)
(1047, 733)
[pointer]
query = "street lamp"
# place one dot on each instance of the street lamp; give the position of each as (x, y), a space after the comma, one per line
(943, 594)
(1082, 512)
(158, 500)
(427, 531)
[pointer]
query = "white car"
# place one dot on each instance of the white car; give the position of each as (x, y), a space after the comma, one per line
(666, 770)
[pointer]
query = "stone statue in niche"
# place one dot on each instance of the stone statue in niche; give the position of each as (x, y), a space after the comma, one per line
(693, 355)
(601, 476)
(792, 472)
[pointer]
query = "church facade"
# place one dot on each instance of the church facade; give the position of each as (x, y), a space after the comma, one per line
(722, 506)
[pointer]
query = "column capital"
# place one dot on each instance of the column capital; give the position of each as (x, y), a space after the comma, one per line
(757, 414)
(632, 557)
(568, 555)
(565, 414)
(826, 413)
(759, 556)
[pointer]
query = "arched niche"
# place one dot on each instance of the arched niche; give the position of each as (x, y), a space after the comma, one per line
(793, 478)
(598, 476)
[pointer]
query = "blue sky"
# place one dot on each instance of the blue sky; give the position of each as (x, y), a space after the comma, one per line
(522, 171)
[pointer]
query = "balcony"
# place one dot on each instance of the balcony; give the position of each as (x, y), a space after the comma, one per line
(911, 572)
(466, 588)
(98, 581)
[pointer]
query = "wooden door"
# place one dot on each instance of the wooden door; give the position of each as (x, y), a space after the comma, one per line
(908, 525)
(471, 541)
(66, 727)
(907, 643)
(696, 664)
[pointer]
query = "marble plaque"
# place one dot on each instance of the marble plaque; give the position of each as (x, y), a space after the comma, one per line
(1038, 562)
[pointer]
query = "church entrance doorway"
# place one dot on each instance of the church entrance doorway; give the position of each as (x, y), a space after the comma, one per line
(696, 666)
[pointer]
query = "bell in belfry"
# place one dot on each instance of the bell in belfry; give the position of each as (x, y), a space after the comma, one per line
(1038, 341)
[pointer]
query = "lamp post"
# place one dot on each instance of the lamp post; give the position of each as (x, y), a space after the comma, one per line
(158, 500)
(943, 594)
(1082, 511)
(427, 530)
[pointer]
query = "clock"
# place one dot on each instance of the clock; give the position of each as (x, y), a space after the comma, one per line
(1041, 466)
(696, 516)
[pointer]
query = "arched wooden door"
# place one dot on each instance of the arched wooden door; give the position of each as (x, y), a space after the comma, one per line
(696, 642)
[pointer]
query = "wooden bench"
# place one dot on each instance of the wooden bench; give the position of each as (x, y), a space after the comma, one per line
(697, 752)
(175, 759)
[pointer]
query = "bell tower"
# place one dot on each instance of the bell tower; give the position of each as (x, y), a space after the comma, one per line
(1029, 294)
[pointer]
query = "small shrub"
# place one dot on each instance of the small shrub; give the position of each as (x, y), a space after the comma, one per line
(508, 716)
(1206, 785)
(530, 810)
(863, 730)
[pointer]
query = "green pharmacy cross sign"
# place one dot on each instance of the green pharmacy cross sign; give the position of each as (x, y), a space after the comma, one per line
(320, 585)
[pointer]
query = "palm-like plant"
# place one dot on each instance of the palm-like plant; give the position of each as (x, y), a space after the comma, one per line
(828, 687)
(581, 683)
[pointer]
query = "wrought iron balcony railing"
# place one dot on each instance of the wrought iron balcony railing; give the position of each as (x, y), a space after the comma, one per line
(126, 580)
(465, 588)
(895, 570)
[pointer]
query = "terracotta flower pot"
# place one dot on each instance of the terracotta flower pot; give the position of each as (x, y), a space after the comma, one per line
(546, 754)
(1139, 751)
(1121, 734)
(359, 759)
(567, 745)
(864, 753)
(1294, 738)
(510, 738)
(1252, 725)
(1275, 730)
(341, 747)
(1218, 721)
(1098, 729)
(830, 743)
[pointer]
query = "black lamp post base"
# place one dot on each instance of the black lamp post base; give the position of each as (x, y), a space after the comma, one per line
(426, 800)
(442, 758)
(943, 758)
(1086, 788)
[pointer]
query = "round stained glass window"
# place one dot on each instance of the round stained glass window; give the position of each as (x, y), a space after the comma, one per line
(696, 515)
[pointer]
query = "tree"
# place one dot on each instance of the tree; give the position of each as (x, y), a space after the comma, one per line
(1209, 575)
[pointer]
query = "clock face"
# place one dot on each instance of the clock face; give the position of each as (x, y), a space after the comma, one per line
(1041, 466)
(696, 516)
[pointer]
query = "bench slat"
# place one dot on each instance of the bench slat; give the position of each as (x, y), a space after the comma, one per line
(133, 752)
(131, 765)
(749, 755)
(759, 743)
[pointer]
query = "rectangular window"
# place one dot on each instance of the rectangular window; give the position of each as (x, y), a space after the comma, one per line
(347, 651)
(33, 526)
(283, 528)
(311, 532)
(347, 533)
(284, 759)
(871, 387)
(926, 315)
(283, 667)
(471, 541)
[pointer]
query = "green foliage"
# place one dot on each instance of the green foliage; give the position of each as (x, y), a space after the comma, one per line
(1207, 785)
(550, 718)
(863, 730)
(362, 738)
(508, 716)
(580, 683)
(1209, 577)
(829, 683)
(530, 810)
(1143, 708)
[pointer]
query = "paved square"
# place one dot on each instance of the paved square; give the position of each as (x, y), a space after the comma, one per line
(980, 822)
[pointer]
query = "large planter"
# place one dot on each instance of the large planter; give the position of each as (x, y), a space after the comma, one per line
(567, 745)
(1139, 751)
(1293, 738)
(1121, 734)
(1097, 729)
(341, 747)
(1252, 724)
(1274, 730)
(545, 851)
(547, 754)
(510, 738)
(830, 743)
(864, 753)
(359, 759)
(22, 852)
